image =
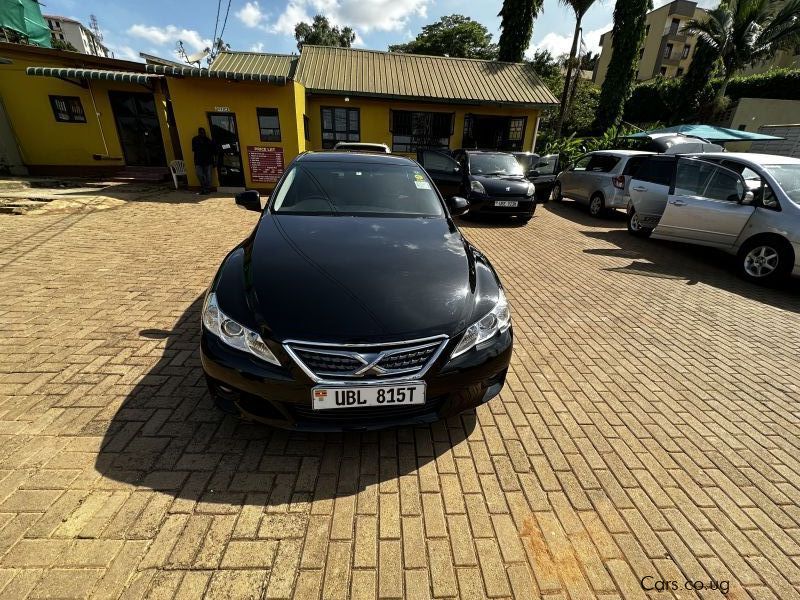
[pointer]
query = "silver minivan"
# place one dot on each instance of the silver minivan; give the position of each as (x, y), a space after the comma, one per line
(599, 179)
(745, 204)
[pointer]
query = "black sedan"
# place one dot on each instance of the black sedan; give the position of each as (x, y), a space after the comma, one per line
(492, 181)
(355, 303)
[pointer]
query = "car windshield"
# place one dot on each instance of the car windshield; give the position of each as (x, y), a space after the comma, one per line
(494, 164)
(356, 189)
(788, 178)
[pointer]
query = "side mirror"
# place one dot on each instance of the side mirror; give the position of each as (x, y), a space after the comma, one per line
(250, 200)
(457, 206)
(748, 197)
(533, 173)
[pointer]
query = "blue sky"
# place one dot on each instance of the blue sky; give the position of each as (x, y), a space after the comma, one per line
(154, 26)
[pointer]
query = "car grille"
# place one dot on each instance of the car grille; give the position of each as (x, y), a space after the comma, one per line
(363, 361)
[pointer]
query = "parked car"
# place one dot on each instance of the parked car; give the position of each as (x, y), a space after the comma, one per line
(745, 204)
(599, 179)
(355, 303)
(492, 181)
(363, 147)
(539, 170)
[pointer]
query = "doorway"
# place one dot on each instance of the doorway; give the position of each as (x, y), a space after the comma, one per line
(138, 128)
(226, 137)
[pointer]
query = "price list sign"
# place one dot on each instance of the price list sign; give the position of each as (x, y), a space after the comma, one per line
(266, 163)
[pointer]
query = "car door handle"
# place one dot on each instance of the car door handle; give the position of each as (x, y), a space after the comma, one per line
(677, 203)
(640, 189)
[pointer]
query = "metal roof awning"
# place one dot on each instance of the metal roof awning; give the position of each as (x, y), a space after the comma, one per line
(214, 74)
(97, 74)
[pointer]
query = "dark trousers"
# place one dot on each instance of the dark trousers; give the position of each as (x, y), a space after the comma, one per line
(204, 175)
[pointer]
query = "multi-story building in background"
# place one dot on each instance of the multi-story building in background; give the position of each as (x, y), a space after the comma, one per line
(666, 50)
(76, 33)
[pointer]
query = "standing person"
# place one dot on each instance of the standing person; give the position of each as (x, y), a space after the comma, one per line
(203, 148)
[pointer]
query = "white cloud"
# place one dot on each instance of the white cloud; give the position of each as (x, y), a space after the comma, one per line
(169, 36)
(259, 47)
(701, 3)
(251, 15)
(562, 44)
(125, 53)
(363, 15)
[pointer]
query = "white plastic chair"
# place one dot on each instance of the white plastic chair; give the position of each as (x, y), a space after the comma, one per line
(177, 167)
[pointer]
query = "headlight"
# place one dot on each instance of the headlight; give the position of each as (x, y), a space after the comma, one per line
(496, 321)
(531, 190)
(234, 334)
(477, 187)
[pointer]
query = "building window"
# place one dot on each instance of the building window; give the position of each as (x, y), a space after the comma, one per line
(743, 127)
(686, 49)
(516, 131)
(340, 125)
(412, 130)
(646, 30)
(679, 72)
(674, 26)
(269, 126)
(306, 130)
(641, 53)
(668, 50)
(663, 71)
(67, 109)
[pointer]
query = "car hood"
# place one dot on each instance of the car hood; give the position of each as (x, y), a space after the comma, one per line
(355, 279)
(503, 185)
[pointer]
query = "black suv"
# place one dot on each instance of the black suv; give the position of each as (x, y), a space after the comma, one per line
(492, 181)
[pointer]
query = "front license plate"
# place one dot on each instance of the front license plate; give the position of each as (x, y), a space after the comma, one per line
(506, 203)
(352, 396)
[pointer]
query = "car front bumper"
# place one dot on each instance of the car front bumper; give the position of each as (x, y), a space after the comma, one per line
(485, 205)
(282, 397)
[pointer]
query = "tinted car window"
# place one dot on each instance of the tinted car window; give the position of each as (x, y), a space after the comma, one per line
(348, 188)
(580, 164)
(494, 164)
(656, 170)
(724, 185)
(692, 177)
(633, 164)
(547, 164)
(602, 163)
(436, 161)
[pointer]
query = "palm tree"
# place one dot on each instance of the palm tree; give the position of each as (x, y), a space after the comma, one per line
(579, 7)
(627, 37)
(517, 27)
(742, 32)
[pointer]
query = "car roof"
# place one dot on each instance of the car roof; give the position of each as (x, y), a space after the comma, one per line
(752, 157)
(622, 152)
(476, 151)
(355, 157)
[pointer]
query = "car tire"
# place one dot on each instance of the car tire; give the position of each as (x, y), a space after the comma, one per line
(597, 206)
(635, 227)
(765, 260)
(555, 195)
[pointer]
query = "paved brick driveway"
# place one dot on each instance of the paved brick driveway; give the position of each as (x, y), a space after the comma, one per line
(649, 428)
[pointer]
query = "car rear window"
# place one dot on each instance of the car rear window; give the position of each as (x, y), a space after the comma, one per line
(602, 163)
(633, 164)
(656, 170)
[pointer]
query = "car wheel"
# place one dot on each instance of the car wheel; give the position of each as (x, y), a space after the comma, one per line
(555, 195)
(765, 261)
(635, 226)
(597, 205)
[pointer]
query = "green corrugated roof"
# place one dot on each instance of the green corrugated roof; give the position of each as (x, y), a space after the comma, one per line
(99, 74)
(256, 63)
(265, 71)
(374, 73)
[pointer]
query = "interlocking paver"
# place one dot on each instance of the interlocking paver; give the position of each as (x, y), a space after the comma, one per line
(649, 426)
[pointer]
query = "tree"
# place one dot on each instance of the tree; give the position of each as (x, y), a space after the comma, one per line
(320, 33)
(579, 7)
(452, 35)
(742, 32)
(63, 45)
(517, 17)
(627, 37)
(589, 61)
(544, 64)
(696, 92)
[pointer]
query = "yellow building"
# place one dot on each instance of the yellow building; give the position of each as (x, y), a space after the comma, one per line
(75, 114)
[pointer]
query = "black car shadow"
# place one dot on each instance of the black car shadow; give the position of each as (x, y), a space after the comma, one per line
(168, 436)
(694, 264)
